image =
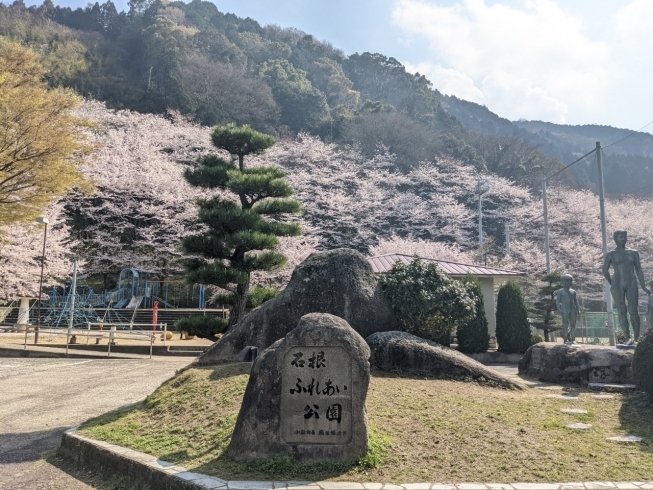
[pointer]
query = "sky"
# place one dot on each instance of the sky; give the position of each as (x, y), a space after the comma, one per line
(563, 61)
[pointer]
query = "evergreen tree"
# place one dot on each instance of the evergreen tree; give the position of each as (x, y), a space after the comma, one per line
(238, 239)
(513, 330)
(545, 307)
(473, 335)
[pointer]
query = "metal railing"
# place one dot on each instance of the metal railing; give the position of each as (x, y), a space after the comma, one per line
(125, 332)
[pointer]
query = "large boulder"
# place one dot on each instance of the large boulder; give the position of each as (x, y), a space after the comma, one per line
(392, 351)
(306, 396)
(577, 363)
(340, 282)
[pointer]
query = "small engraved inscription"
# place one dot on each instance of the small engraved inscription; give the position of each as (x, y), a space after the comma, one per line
(536, 358)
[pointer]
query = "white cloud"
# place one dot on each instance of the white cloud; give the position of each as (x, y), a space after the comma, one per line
(449, 81)
(531, 58)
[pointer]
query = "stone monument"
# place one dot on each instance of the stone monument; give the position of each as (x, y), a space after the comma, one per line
(306, 396)
(623, 283)
(567, 305)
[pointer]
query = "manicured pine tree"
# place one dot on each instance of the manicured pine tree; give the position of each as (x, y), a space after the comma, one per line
(238, 238)
(472, 335)
(545, 307)
(513, 330)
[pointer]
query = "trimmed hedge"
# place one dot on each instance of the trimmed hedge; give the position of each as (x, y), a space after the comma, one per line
(473, 335)
(203, 326)
(513, 330)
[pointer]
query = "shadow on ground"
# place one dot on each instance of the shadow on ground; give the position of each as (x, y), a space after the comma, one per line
(28, 446)
(636, 417)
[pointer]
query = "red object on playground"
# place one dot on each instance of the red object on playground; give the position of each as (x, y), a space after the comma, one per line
(155, 315)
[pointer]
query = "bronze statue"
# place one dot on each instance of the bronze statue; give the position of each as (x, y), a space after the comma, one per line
(623, 283)
(568, 308)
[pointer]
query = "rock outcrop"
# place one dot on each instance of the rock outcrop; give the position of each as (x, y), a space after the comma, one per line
(306, 396)
(577, 363)
(401, 351)
(339, 282)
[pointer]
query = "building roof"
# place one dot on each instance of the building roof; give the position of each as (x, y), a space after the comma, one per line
(383, 263)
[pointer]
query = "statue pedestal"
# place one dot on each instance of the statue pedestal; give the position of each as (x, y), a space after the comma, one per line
(577, 363)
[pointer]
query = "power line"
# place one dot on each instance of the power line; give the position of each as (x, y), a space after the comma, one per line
(628, 135)
(572, 163)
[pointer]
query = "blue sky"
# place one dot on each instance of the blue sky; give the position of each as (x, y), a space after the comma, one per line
(571, 61)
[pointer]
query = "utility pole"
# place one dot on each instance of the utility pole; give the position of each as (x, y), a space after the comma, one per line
(604, 239)
(546, 227)
(507, 238)
(482, 186)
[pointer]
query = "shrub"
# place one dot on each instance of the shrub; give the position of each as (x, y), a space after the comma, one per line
(513, 330)
(643, 363)
(255, 297)
(203, 326)
(536, 338)
(473, 335)
(259, 295)
(426, 302)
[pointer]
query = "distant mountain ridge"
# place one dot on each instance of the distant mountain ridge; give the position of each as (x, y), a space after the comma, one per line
(629, 154)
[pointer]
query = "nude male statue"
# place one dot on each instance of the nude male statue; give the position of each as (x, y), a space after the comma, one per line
(623, 283)
(567, 304)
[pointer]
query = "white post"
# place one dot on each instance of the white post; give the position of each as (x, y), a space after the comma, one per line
(165, 332)
(73, 292)
(546, 227)
(23, 315)
(604, 239)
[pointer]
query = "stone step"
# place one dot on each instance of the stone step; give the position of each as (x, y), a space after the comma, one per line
(618, 388)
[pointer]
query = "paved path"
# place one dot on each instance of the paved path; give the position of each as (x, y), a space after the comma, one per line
(40, 398)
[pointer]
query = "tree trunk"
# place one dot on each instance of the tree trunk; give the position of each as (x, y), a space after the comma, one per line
(240, 302)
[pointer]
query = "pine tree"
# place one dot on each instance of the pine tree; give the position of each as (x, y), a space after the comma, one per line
(545, 307)
(513, 330)
(238, 240)
(473, 335)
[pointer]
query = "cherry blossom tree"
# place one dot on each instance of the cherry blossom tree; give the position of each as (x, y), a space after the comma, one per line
(20, 256)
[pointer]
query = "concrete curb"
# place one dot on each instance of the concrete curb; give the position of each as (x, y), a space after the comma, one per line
(141, 468)
(15, 350)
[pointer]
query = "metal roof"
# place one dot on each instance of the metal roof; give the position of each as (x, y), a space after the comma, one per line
(383, 263)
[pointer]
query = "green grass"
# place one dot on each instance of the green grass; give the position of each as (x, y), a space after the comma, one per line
(420, 430)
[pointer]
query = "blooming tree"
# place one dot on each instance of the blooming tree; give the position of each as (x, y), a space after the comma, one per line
(20, 256)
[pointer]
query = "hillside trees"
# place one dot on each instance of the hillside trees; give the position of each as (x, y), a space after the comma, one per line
(40, 139)
(238, 240)
(302, 105)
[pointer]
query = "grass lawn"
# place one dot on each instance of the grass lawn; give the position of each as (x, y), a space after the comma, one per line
(421, 430)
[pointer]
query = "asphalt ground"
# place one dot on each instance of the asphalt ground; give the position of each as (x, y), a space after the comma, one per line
(41, 398)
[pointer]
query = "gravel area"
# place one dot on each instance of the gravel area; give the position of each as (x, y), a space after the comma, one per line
(43, 397)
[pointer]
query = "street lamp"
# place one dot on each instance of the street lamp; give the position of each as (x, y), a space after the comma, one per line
(45, 222)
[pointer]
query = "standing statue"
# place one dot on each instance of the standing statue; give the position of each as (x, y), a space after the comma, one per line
(623, 283)
(568, 308)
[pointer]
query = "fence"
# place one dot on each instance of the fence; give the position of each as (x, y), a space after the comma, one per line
(115, 331)
(593, 329)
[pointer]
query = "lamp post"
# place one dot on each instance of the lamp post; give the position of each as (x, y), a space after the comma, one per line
(45, 222)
